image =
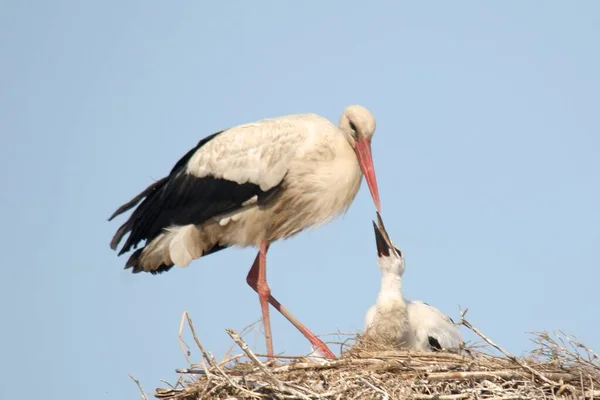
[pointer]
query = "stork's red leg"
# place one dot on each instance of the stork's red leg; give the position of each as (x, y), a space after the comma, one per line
(254, 280)
(259, 284)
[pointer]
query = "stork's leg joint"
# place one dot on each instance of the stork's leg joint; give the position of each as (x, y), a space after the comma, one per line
(263, 289)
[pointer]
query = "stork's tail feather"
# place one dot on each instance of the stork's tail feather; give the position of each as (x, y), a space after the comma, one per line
(154, 221)
(131, 203)
(141, 221)
(136, 267)
(151, 258)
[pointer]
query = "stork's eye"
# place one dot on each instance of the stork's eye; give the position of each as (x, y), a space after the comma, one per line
(354, 131)
(398, 251)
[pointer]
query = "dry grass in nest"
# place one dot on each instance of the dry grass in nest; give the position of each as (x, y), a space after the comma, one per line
(559, 368)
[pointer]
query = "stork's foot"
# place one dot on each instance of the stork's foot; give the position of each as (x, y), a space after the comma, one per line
(256, 282)
(323, 351)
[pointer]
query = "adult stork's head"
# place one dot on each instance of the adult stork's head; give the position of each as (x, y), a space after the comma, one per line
(359, 126)
(390, 257)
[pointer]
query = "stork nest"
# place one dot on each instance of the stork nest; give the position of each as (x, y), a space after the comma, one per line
(559, 367)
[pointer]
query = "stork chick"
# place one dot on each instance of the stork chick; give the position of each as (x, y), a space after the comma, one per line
(402, 324)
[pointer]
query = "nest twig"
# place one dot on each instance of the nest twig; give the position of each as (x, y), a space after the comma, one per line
(559, 368)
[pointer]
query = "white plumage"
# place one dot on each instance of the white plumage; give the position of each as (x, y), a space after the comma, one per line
(429, 325)
(251, 185)
(402, 324)
(318, 187)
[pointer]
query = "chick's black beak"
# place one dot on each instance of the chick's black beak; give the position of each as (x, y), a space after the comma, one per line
(383, 249)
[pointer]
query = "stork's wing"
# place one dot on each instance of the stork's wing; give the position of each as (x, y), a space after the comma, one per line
(370, 316)
(259, 153)
(430, 323)
(220, 175)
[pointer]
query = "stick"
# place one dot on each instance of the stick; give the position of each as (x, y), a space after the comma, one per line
(325, 364)
(238, 387)
(467, 324)
(591, 395)
(236, 338)
(184, 316)
(385, 394)
(276, 382)
(139, 387)
(282, 357)
(196, 339)
(409, 354)
(300, 366)
(242, 333)
(441, 397)
(505, 374)
(185, 349)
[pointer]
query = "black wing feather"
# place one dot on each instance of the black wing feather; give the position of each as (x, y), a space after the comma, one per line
(434, 344)
(180, 199)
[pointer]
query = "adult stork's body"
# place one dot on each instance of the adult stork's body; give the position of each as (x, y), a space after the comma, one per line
(251, 185)
(402, 324)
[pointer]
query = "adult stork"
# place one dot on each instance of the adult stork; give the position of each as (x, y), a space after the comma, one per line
(402, 324)
(251, 185)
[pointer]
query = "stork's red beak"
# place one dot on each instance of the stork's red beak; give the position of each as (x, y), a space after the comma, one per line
(365, 159)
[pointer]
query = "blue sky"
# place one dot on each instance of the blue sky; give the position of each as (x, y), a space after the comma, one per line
(486, 150)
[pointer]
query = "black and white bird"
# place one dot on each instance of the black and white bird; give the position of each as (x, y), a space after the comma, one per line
(402, 324)
(251, 185)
